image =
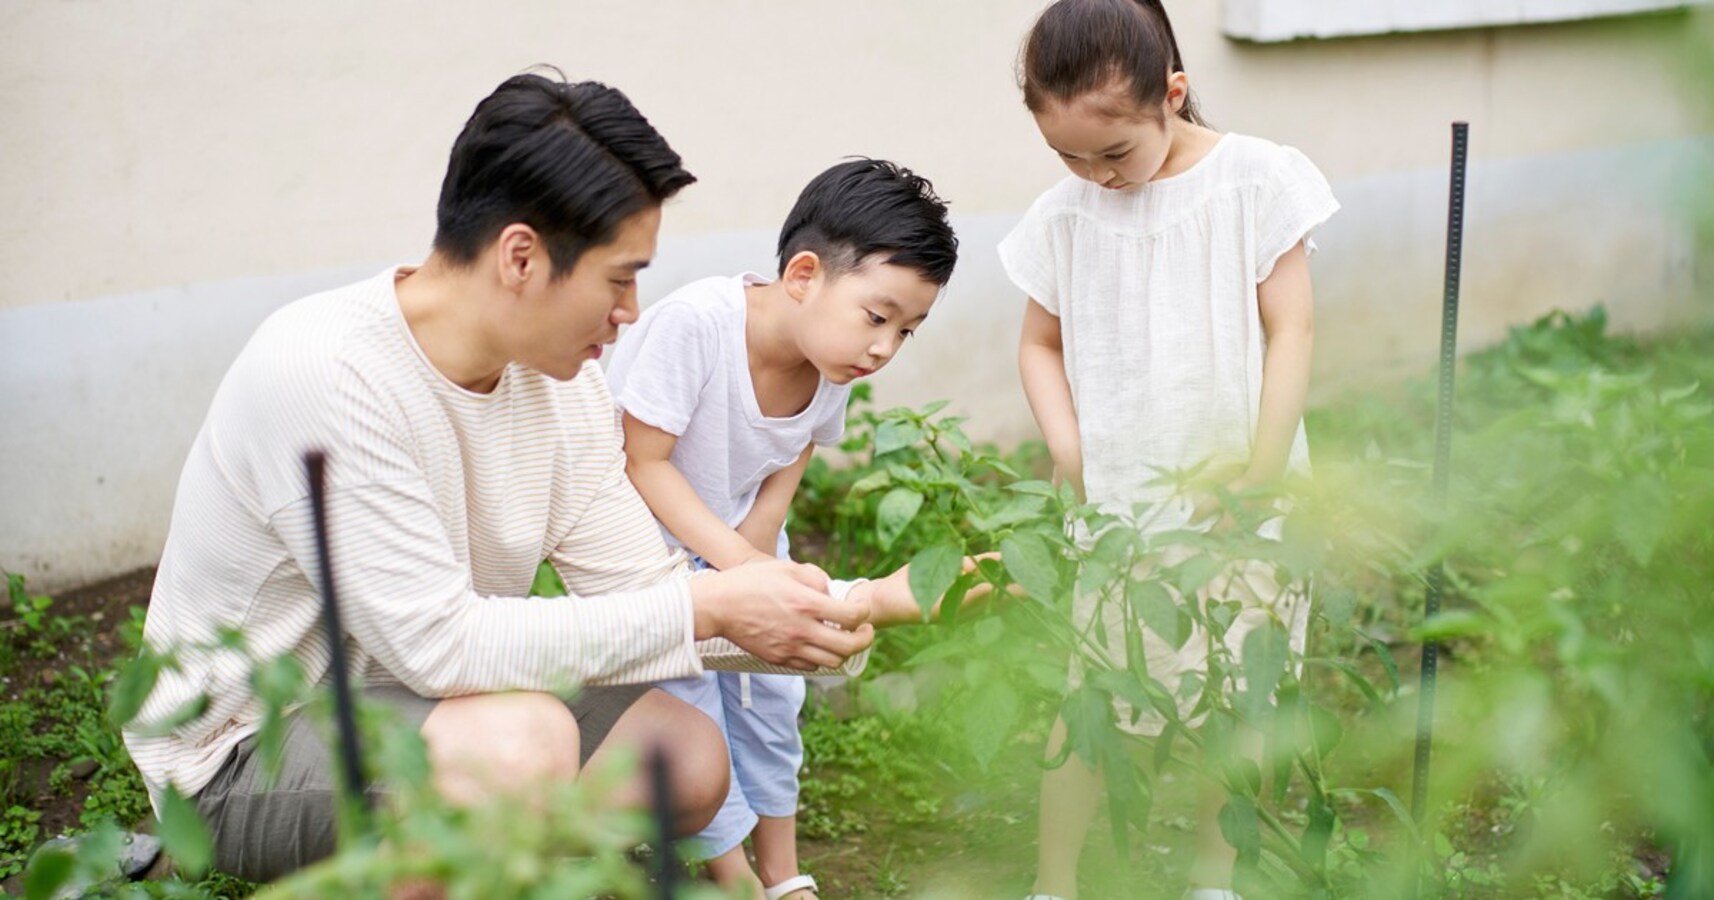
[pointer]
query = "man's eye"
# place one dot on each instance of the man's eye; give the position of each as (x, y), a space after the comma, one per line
(625, 282)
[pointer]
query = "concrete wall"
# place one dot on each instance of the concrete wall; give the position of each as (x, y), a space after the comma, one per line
(175, 170)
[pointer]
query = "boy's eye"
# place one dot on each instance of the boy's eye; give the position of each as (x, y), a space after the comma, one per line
(907, 332)
(875, 319)
(1118, 156)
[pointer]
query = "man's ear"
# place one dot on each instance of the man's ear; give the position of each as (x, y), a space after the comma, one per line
(520, 255)
(801, 271)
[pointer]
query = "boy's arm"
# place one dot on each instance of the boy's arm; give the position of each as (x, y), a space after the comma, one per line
(761, 526)
(1041, 363)
(1287, 305)
(648, 452)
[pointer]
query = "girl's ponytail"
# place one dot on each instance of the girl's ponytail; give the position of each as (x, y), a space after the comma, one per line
(1079, 46)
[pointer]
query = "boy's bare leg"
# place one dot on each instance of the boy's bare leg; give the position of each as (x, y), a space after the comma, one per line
(731, 869)
(1069, 795)
(776, 851)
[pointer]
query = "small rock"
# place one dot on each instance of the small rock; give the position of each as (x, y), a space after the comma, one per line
(84, 768)
(48, 677)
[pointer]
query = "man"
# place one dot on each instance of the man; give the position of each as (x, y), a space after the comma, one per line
(469, 436)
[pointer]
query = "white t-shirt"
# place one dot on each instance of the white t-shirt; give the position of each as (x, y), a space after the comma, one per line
(1155, 291)
(685, 369)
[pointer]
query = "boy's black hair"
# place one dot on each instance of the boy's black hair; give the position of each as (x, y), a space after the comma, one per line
(571, 160)
(868, 208)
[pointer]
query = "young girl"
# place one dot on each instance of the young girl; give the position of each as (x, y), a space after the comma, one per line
(1170, 323)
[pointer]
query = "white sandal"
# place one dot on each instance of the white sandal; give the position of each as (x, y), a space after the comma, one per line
(794, 883)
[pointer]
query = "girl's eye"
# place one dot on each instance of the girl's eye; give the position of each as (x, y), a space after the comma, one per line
(877, 319)
(907, 332)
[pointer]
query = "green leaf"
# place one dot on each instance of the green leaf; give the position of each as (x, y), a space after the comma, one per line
(48, 871)
(133, 686)
(1337, 606)
(1032, 564)
(183, 834)
(1266, 652)
(931, 572)
(1150, 602)
(1642, 510)
(988, 718)
(1088, 715)
(1242, 828)
(1387, 661)
(932, 408)
(1450, 624)
(1036, 488)
(897, 509)
(1195, 573)
(547, 582)
(896, 435)
(1325, 728)
(871, 482)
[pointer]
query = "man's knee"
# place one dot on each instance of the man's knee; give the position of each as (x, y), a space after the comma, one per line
(500, 743)
(700, 771)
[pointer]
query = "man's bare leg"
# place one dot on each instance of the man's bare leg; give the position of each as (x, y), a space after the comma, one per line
(698, 769)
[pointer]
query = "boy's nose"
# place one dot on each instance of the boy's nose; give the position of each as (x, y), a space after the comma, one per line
(625, 311)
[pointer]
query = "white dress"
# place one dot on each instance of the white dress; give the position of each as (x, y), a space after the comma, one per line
(1155, 292)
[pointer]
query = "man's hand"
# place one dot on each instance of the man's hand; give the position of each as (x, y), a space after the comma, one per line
(780, 611)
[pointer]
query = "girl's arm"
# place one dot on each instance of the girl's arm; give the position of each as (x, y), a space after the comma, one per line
(1041, 363)
(761, 526)
(1288, 319)
(648, 462)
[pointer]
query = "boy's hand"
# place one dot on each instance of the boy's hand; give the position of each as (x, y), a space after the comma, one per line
(891, 602)
(780, 612)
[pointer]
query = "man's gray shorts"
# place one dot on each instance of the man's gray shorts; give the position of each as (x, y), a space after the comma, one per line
(263, 831)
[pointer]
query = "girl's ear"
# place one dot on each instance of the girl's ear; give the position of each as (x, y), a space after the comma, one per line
(1177, 92)
(801, 271)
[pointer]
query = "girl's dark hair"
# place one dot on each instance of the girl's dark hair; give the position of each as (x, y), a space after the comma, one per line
(571, 160)
(1079, 46)
(871, 207)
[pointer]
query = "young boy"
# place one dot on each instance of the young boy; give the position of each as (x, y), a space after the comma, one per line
(727, 385)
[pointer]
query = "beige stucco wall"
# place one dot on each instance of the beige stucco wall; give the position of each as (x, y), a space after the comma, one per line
(172, 171)
(149, 144)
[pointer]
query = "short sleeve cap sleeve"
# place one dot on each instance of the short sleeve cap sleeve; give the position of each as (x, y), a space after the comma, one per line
(831, 427)
(1295, 200)
(660, 368)
(1027, 255)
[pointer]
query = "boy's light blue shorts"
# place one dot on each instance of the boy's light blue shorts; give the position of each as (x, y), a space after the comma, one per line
(758, 714)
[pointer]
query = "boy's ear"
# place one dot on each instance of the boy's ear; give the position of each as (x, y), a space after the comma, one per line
(518, 252)
(800, 272)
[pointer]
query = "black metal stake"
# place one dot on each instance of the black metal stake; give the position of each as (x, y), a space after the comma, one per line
(1442, 459)
(356, 797)
(666, 859)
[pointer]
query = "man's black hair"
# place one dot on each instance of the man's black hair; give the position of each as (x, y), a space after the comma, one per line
(571, 160)
(869, 208)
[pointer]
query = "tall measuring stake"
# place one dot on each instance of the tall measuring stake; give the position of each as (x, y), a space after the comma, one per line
(1442, 459)
(354, 797)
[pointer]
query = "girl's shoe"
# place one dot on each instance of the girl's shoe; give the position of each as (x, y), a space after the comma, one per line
(794, 883)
